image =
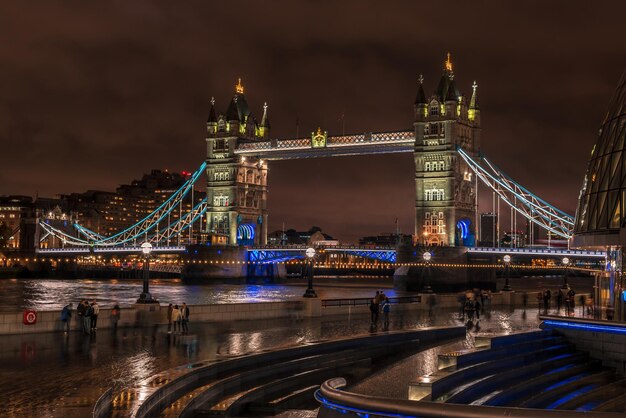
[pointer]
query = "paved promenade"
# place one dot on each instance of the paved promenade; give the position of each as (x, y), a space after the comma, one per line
(45, 374)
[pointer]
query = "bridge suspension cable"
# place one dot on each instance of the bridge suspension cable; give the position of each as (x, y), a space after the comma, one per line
(141, 229)
(520, 199)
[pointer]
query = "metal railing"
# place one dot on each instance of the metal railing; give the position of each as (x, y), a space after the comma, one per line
(366, 301)
(330, 396)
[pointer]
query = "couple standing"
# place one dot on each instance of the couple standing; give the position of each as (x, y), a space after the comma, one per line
(179, 316)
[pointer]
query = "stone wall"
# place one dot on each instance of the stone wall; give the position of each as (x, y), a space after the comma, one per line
(50, 321)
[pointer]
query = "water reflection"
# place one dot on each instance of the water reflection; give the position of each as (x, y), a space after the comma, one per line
(52, 294)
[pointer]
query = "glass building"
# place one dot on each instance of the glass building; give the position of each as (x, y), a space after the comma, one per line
(600, 222)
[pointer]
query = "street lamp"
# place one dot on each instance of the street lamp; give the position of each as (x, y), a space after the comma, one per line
(310, 254)
(507, 261)
(146, 297)
(427, 256)
(565, 262)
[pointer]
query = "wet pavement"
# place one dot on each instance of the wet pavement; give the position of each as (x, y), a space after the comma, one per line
(40, 375)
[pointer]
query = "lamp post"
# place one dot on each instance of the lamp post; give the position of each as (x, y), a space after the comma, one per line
(146, 297)
(427, 256)
(565, 262)
(507, 285)
(310, 254)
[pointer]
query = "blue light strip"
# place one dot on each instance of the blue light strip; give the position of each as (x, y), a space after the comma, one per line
(609, 329)
(361, 412)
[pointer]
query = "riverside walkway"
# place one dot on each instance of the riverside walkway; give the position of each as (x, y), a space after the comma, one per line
(51, 374)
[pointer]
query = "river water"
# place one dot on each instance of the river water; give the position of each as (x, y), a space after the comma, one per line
(53, 294)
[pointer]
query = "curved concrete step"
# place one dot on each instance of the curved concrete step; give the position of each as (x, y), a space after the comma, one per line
(226, 390)
(617, 404)
(444, 383)
(596, 397)
(559, 393)
(519, 392)
(479, 389)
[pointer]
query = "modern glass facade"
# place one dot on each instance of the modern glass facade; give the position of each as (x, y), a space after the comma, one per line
(600, 219)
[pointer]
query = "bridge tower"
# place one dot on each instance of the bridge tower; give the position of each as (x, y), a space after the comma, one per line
(236, 186)
(445, 205)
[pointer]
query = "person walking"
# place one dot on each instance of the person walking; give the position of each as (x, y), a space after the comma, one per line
(87, 317)
(170, 308)
(477, 308)
(176, 317)
(373, 311)
(66, 316)
(80, 314)
(184, 318)
(386, 308)
(95, 311)
(115, 316)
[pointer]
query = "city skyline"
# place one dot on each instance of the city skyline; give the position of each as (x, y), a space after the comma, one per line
(94, 98)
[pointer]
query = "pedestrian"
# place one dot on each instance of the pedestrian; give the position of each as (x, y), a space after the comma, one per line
(548, 298)
(469, 309)
(184, 318)
(115, 316)
(170, 308)
(589, 306)
(87, 317)
(176, 317)
(373, 311)
(525, 300)
(66, 316)
(572, 302)
(377, 301)
(386, 307)
(477, 308)
(95, 311)
(559, 300)
(80, 314)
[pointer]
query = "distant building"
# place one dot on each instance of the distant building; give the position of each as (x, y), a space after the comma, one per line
(488, 229)
(107, 213)
(383, 240)
(20, 213)
(313, 236)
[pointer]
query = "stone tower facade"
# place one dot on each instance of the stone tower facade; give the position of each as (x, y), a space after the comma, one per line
(236, 186)
(445, 187)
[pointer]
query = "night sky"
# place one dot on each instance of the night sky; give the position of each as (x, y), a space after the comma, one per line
(93, 94)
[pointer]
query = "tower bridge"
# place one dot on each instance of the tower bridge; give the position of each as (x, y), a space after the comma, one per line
(445, 142)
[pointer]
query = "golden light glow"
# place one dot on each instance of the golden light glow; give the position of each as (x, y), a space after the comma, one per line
(448, 63)
(239, 86)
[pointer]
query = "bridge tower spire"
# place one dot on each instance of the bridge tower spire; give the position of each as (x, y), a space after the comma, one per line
(444, 185)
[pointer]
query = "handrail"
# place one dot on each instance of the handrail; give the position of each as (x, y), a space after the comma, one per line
(365, 301)
(329, 396)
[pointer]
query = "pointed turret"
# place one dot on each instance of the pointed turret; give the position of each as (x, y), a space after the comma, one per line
(212, 118)
(264, 128)
(211, 123)
(420, 99)
(446, 83)
(421, 104)
(238, 109)
(473, 113)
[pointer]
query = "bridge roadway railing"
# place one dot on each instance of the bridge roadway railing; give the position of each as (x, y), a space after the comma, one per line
(536, 251)
(338, 403)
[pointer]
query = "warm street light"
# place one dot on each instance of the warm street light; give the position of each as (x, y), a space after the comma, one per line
(310, 254)
(565, 262)
(427, 256)
(146, 297)
(507, 285)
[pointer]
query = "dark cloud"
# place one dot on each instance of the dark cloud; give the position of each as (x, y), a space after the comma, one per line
(94, 94)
